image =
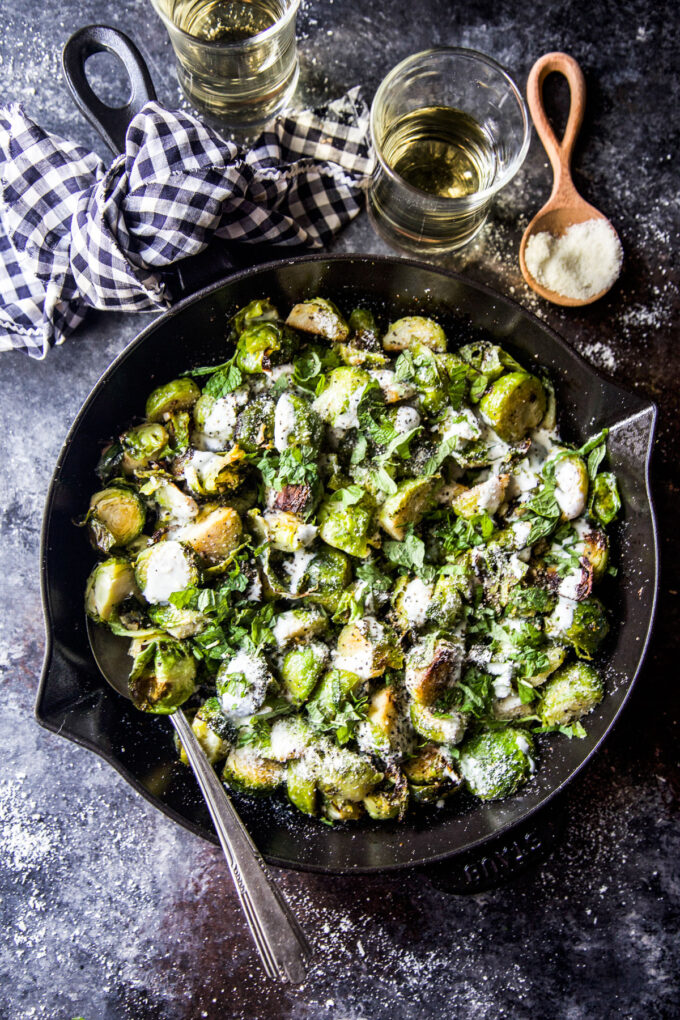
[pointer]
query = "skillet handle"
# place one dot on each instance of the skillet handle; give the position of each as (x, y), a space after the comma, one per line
(111, 122)
(188, 275)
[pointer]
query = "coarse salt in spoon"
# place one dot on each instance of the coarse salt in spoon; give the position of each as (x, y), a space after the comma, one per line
(570, 253)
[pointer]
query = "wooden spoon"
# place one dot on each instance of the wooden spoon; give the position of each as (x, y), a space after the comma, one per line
(565, 206)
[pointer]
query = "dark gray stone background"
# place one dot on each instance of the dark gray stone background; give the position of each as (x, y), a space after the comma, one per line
(111, 911)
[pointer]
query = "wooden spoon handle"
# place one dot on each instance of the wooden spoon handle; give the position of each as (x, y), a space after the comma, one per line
(559, 153)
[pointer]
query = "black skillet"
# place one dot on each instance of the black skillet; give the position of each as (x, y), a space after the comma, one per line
(74, 699)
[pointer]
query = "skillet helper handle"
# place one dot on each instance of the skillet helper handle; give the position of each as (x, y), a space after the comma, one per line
(190, 274)
(559, 153)
(110, 122)
(280, 941)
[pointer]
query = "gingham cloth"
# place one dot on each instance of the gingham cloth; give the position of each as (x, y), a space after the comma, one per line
(75, 235)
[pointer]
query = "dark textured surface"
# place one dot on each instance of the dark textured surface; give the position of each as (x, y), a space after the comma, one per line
(109, 910)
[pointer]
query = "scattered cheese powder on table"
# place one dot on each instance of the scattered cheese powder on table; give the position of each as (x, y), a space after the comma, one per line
(583, 262)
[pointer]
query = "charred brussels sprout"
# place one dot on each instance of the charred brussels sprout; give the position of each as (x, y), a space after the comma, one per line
(262, 346)
(246, 771)
(328, 574)
(255, 424)
(571, 693)
(143, 444)
(116, 516)
(496, 763)
(382, 732)
(178, 395)
(431, 775)
(165, 568)
(214, 534)
(514, 405)
(433, 666)
(407, 506)
(296, 424)
(162, 676)
(369, 647)
(213, 732)
(347, 521)
(212, 474)
(109, 584)
(488, 360)
(321, 317)
(301, 668)
(389, 800)
(414, 329)
(583, 625)
(286, 532)
(442, 727)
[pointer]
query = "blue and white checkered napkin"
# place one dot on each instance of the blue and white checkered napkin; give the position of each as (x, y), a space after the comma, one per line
(75, 235)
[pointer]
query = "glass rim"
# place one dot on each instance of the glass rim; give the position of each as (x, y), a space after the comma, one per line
(253, 40)
(479, 197)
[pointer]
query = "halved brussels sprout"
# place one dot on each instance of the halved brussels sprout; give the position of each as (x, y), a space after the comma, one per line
(444, 610)
(263, 345)
(116, 516)
(142, 444)
(414, 329)
(335, 687)
(390, 800)
(246, 771)
(442, 727)
(339, 402)
(368, 647)
(496, 763)
(260, 310)
(514, 405)
(338, 810)
(571, 483)
(431, 775)
(412, 598)
(486, 497)
(556, 657)
(287, 532)
(364, 347)
(392, 389)
(571, 693)
(216, 418)
(211, 474)
(298, 625)
(255, 424)
(289, 738)
(605, 501)
(180, 623)
(301, 786)
(178, 395)
(165, 568)
(301, 668)
(296, 423)
(212, 731)
(407, 506)
(383, 730)
(109, 584)
(583, 624)
(327, 575)
(488, 359)
(214, 534)
(321, 317)
(242, 684)
(345, 774)
(347, 523)
(162, 676)
(174, 506)
(433, 665)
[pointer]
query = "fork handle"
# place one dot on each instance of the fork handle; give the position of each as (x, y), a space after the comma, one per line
(282, 946)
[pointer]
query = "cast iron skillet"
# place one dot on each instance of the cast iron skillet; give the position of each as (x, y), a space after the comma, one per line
(75, 701)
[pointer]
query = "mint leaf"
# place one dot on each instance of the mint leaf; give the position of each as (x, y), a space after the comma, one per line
(223, 382)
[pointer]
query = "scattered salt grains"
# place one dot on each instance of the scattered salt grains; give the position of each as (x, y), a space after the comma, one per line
(582, 262)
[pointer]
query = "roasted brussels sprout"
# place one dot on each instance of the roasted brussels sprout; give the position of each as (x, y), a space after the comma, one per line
(212, 474)
(296, 423)
(347, 775)
(214, 534)
(571, 693)
(174, 506)
(389, 800)
(583, 624)
(486, 497)
(605, 502)
(299, 625)
(162, 676)
(364, 347)
(260, 310)
(496, 763)
(368, 647)
(109, 584)
(433, 665)
(301, 668)
(412, 598)
(216, 418)
(570, 475)
(407, 506)
(116, 516)
(339, 402)
(143, 444)
(164, 568)
(514, 405)
(242, 684)
(383, 731)
(286, 532)
(488, 359)
(442, 727)
(179, 623)
(347, 521)
(178, 395)
(336, 686)
(431, 775)
(301, 786)
(414, 329)
(321, 317)
(445, 608)
(246, 771)
(338, 810)
(255, 424)
(213, 732)
(327, 575)
(262, 346)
